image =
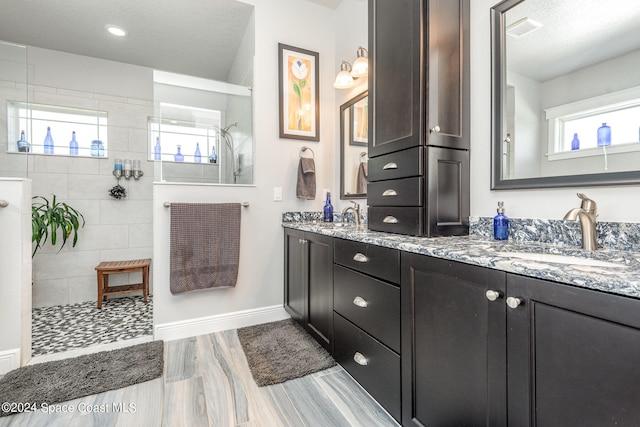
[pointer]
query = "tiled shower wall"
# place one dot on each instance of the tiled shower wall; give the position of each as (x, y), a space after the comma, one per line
(115, 229)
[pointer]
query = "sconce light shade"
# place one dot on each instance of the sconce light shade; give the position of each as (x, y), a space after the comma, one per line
(344, 79)
(361, 64)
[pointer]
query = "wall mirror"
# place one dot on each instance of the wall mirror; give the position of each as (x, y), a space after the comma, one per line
(353, 147)
(565, 93)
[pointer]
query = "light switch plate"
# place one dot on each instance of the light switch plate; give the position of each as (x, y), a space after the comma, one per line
(277, 194)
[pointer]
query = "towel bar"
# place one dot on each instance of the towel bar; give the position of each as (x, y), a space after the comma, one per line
(243, 204)
(3, 203)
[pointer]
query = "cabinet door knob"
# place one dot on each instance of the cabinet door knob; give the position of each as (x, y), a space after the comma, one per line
(390, 192)
(493, 295)
(390, 219)
(360, 302)
(513, 302)
(435, 129)
(360, 359)
(507, 140)
(390, 165)
(360, 257)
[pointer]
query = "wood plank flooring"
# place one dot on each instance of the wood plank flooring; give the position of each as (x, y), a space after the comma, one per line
(207, 382)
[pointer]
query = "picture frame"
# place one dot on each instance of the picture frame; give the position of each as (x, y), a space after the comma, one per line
(359, 119)
(299, 93)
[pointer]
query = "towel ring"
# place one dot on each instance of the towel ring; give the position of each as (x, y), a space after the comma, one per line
(363, 157)
(305, 148)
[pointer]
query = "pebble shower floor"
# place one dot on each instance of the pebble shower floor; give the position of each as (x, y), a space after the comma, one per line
(69, 327)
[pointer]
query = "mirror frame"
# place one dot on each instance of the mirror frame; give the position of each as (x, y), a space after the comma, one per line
(498, 83)
(344, 142)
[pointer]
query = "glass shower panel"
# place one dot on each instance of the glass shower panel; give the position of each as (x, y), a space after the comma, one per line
(202, 130)
(13, 88)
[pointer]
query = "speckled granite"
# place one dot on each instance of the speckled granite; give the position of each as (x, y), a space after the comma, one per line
(499, 255)
(317, 216)
(611, 235)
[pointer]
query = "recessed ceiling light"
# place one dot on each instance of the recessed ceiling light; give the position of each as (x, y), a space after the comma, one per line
(115, 30)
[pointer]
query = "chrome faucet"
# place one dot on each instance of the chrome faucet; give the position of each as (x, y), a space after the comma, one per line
(586, 213)
(356, 212)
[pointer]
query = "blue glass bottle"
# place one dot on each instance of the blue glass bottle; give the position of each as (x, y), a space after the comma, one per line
(213, 158)
(500, 224)
(197, 157)
(604, 135)
(157, 150)
(575, 143)
(23, 144)
(178, 157)
(73, 145)
(328, 209)
(48, 142)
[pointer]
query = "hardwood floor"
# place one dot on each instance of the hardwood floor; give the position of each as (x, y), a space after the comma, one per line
(207, 382)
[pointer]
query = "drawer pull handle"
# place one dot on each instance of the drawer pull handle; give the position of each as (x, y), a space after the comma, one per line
(360, 359)
(390, 219)
(390, 165)
(360, 257)
(360, 302)
(390, 192)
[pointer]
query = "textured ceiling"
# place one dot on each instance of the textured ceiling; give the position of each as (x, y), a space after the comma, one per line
(576, 34)
(194, 37)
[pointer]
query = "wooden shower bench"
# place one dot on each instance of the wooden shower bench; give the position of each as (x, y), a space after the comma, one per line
(106, 268)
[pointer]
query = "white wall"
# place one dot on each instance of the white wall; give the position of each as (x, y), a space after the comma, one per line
(620, 203)
(15, 280)
(260, 281)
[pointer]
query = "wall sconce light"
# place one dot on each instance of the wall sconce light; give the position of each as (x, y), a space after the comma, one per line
(344, 79)
(361, 64)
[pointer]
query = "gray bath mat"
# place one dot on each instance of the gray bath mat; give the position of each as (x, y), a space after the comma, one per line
(68, 379)
(281, 351)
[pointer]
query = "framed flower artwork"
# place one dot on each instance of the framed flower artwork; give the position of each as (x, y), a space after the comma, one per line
(299, 93)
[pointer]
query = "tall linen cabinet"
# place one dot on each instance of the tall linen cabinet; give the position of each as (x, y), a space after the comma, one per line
(419, 117)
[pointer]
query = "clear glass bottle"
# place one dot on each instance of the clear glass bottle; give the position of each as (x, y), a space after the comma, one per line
(575, 142)
(48, 142)
(500, 224)
(157, 150)
(328, 209)
(23, 144)
(213, 158)
(197, 157)
(604, 135)
(73, 145)
(178, 157)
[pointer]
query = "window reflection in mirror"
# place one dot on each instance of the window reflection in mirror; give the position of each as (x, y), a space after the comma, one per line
(559, 73)
(354, 130)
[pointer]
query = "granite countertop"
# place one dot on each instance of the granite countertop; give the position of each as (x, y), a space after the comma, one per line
(623, 278)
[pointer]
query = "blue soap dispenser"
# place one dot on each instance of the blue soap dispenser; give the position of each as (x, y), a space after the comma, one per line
(500, 224)
(328, 209)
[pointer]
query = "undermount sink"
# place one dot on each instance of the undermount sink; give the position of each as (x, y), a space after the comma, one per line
(563, 259)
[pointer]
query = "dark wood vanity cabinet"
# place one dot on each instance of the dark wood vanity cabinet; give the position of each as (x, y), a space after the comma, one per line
(453, 343)
(573, 356)
(367, 319)
(419, 116)
(308, 283)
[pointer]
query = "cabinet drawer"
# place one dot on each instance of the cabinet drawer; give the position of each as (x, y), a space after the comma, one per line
(372, 364)
(401, 164)
(377, 261)
(370, 304)
(396, 192)
(402, 220)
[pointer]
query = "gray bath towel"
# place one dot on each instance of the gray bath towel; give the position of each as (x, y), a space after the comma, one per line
(205, 246)
(361, 180)
(306, 186)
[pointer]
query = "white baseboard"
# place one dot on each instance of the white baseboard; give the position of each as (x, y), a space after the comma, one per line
(217, 323)
(9, 360)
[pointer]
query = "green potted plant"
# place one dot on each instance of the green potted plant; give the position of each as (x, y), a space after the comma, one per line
(53, 219)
